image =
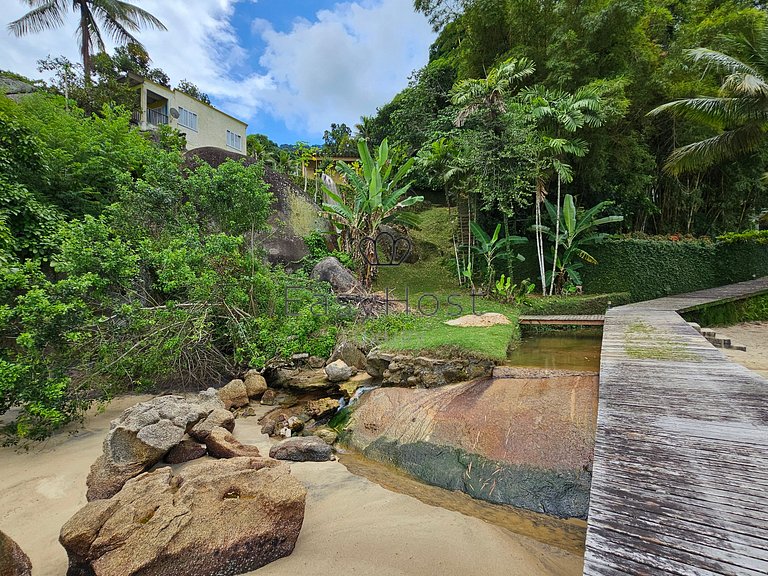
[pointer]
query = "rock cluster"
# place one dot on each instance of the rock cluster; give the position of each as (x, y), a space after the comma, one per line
(408, 370)
(216, 517)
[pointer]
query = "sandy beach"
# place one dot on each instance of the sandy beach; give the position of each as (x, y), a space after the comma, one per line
(754, 335)
(351, 525)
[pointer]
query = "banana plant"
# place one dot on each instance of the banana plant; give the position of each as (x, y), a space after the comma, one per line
(375, 196)
(491, 247)
(576, 231)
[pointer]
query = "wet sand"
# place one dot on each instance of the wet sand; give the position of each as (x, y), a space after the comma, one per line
(351, 525)
(754, 335)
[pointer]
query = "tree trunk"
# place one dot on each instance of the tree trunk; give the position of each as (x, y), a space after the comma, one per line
(557, 241)
(85, 45)
(540, 193)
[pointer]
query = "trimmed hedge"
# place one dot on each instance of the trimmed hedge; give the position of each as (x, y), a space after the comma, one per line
(651, 268)
(574, 305)
(729, 313)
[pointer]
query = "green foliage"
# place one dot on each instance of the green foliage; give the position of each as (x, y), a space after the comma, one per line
(122, 270)
(491, 247)
(576, 305)
(749, 237)
(377, 196)
(317, 244)
(507, 291)
(338, 141)
(191, 89)
(754, 309)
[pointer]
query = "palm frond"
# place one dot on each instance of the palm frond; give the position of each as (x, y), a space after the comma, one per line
(720, 60)
(46, 15)
(701, 155)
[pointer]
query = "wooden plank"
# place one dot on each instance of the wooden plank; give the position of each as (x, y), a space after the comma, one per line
(680, 474)
(563, 320)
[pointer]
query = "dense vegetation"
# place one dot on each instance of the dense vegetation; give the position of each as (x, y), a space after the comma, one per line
(631, 57)
(121, 269)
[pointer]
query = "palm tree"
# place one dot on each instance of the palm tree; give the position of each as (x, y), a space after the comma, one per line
(739, 113)
(119, 19)
(489, 93)
(559, 113)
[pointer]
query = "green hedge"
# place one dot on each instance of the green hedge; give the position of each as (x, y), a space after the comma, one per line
(588, 304)
(729, 313)
(652, 268)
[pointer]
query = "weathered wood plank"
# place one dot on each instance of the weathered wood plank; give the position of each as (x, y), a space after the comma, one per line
(563, 320)
(680, 476)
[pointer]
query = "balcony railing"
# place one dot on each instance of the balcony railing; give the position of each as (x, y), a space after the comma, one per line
(155, 117)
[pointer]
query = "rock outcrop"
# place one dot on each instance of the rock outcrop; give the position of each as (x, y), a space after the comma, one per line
(140, 438)
(342, 281)
(350, 354)
(218, 418)
(302, 449)
(401, 369)
(220, 517)
(185, 451)
(13, 560)
(523, 438)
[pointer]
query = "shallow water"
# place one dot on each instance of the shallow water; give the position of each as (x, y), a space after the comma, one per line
(568, 535)
(559, 350)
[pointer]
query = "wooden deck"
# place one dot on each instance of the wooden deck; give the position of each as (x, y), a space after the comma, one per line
(680, 477)
(573, 320)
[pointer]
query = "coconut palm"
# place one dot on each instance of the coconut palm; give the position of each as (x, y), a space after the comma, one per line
(739, 113)
(489, 93)
(118, 19)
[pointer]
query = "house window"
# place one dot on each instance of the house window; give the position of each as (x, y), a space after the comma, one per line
(234, 140)
(187, 119)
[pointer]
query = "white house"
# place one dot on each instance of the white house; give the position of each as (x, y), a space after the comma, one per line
(202, 124)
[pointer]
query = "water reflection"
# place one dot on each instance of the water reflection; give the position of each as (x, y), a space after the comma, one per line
(559, 350)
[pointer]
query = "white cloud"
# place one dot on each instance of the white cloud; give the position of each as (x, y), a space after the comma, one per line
(341, 64)
(346, 63)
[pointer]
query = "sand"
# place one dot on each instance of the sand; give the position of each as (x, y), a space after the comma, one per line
(351, 525)
(754, 335)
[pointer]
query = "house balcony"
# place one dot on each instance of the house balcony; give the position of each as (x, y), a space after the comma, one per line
(156, 117)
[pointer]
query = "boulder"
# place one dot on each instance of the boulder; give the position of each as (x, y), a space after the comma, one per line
(322, 408)
(301, 380)
(350, 354)
(411, 371)
(327, 435)
(342, 281)
(404, 249)
(219, 417)
(523, 438)
(139, 438)
(316, 362)
(361, 380)
(338, 371)
(302, 449)
(255, 384)
(222, 444)
(215, 517)
(185, 451)
(479, 320)
(13, 561)
(234, 394)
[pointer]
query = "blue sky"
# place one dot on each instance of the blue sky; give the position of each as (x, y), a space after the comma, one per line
(287, 67)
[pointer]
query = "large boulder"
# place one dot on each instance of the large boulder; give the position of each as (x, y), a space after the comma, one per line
(13, 561)
(255, 384)
(302, 449)
(222, 444)
(351, 354)
(522, 438)
(140, 437)
(338, 371)
(234, 394)
(299, 380)
(221, 517)
(342, 281)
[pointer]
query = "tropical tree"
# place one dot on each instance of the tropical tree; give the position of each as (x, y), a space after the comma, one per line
(376, 197)
(488, 94)
(739, 114)
(117, 18)
(576, 231)
(558, 114)
(491, 247)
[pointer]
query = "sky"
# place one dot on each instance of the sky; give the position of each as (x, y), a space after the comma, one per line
(287, 67)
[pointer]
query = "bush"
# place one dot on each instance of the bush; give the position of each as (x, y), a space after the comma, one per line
(577, 305)
(728, 313)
